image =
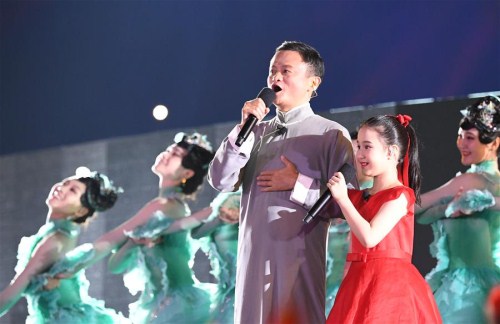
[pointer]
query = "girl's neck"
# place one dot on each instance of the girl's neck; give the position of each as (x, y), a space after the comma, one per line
(166, 182)
(169, 191)
(52, 216)
(383, 182)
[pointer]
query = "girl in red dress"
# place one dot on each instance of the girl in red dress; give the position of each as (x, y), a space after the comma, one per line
(382, 285)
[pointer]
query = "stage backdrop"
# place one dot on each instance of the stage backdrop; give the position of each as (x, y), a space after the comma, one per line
(27, 177)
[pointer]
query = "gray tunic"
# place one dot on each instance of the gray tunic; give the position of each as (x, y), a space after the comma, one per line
(281, 260)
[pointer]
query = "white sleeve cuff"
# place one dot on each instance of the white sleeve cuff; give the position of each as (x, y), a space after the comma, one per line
(301, 189)
(246, 147)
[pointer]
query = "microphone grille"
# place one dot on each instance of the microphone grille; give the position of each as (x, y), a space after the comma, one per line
(267, 95)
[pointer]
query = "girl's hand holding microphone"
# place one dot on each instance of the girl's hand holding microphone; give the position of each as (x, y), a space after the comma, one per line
(338, 187)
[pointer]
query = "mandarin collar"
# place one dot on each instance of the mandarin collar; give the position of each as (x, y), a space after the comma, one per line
(67, 226)
(487, 166)
(296, 114)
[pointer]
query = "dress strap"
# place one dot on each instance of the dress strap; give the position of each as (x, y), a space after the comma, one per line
(379, 254)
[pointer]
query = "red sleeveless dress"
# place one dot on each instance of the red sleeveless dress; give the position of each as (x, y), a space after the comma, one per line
(382, 285)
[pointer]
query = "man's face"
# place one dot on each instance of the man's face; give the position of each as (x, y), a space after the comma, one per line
(289, 74)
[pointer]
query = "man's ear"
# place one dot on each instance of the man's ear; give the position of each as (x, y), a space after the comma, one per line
(315, 82)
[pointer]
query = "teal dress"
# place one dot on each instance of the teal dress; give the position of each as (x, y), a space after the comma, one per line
(467, 249)
(163, 275)
(219, 240)
(338, 247)
(69, 302)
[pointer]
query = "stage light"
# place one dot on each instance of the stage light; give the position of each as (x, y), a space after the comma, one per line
(160, 112)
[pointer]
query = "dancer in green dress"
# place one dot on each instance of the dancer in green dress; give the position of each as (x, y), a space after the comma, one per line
(162, 270)
(467, 230)
(219, 237)
(216, 230)
(153, 249)
(71, 204)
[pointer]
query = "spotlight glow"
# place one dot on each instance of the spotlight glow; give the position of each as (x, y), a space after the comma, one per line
(160, 112)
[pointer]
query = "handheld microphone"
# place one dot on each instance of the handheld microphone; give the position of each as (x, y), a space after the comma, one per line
(267, 95)
(348, 172)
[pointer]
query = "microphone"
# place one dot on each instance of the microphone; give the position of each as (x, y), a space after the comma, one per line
(348, 172)
(280, 130)
(267, 95)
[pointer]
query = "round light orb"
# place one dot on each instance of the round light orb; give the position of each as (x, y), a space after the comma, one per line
(160, 112)
(82, 171)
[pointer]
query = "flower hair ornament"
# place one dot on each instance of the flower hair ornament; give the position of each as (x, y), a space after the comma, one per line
(100, 194)
(403, 171)
(484, 115)
(200, 152)
(187, 141)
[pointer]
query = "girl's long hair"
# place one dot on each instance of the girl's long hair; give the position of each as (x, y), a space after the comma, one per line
(394, 133)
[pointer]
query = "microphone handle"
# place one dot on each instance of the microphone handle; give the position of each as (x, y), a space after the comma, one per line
(267, 95)
(322, 201)
(349, 173)
(246, 129)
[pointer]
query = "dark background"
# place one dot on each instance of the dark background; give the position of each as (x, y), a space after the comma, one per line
(74, 71)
